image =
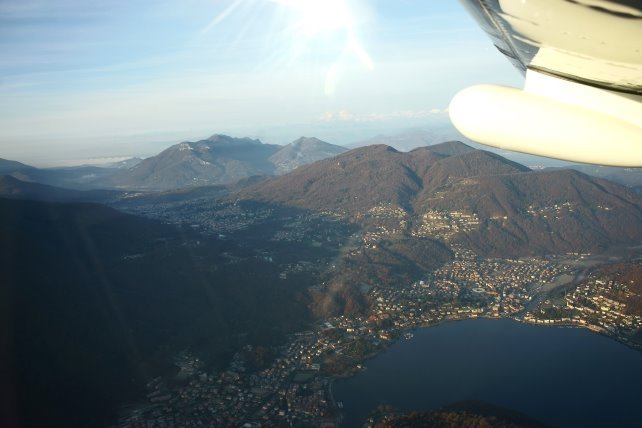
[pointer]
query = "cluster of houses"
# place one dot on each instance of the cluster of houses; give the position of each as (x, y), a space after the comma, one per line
(295, 388)
(445, 224)
(598, 303)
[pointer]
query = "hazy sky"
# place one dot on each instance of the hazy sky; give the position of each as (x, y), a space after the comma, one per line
(90, 78)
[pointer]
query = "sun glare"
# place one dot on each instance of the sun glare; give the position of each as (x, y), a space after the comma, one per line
(304, 23)
(316, 18)
(320, 16)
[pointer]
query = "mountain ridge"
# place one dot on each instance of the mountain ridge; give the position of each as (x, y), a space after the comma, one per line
(380, 174)
(7, 166)
(518, 211)
(14, 188)
(219, 160)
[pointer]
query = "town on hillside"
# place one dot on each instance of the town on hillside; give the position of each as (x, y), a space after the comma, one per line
(295, 388)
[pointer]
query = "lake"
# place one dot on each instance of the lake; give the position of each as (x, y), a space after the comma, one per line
(561, 376)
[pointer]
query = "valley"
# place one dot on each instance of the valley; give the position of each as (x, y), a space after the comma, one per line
(268, 289)
(296, 389)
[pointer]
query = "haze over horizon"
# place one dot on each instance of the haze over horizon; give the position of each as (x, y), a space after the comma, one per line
(89, 80)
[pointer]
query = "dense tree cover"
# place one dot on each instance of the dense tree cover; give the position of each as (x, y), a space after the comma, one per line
(468, 414)
(94, 302)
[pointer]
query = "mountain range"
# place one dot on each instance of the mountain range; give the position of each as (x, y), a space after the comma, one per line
(218, 160)
(518, 211)
(9, 166)
(98, 301)
(221, 160)
(368, 176)
(530, 212)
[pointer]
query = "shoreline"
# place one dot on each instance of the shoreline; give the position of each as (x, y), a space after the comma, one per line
(348, 375)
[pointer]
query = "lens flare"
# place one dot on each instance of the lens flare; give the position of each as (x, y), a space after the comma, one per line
(301, 25)
(320, 16)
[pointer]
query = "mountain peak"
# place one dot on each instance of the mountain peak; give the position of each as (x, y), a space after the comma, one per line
(519, 210)
(353, 181)
(220, 160)
(308, 141)
(451, 148)
(302, 151)
(366, 176)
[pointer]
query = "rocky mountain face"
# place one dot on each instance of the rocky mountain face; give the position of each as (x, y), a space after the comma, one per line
(303, 151)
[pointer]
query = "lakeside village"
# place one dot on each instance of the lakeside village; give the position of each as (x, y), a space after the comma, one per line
(296, 389)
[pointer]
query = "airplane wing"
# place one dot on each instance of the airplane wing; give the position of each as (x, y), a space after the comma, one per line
(582, 99)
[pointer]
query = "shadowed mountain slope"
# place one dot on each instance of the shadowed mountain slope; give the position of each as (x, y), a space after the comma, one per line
(94, 302)
(543, 212)
(11, 187)
(77, 177)
(9, 166)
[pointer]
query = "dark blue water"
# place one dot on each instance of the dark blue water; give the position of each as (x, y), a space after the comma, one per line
(565, 377)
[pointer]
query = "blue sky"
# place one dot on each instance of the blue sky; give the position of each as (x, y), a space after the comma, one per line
(88, 79)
